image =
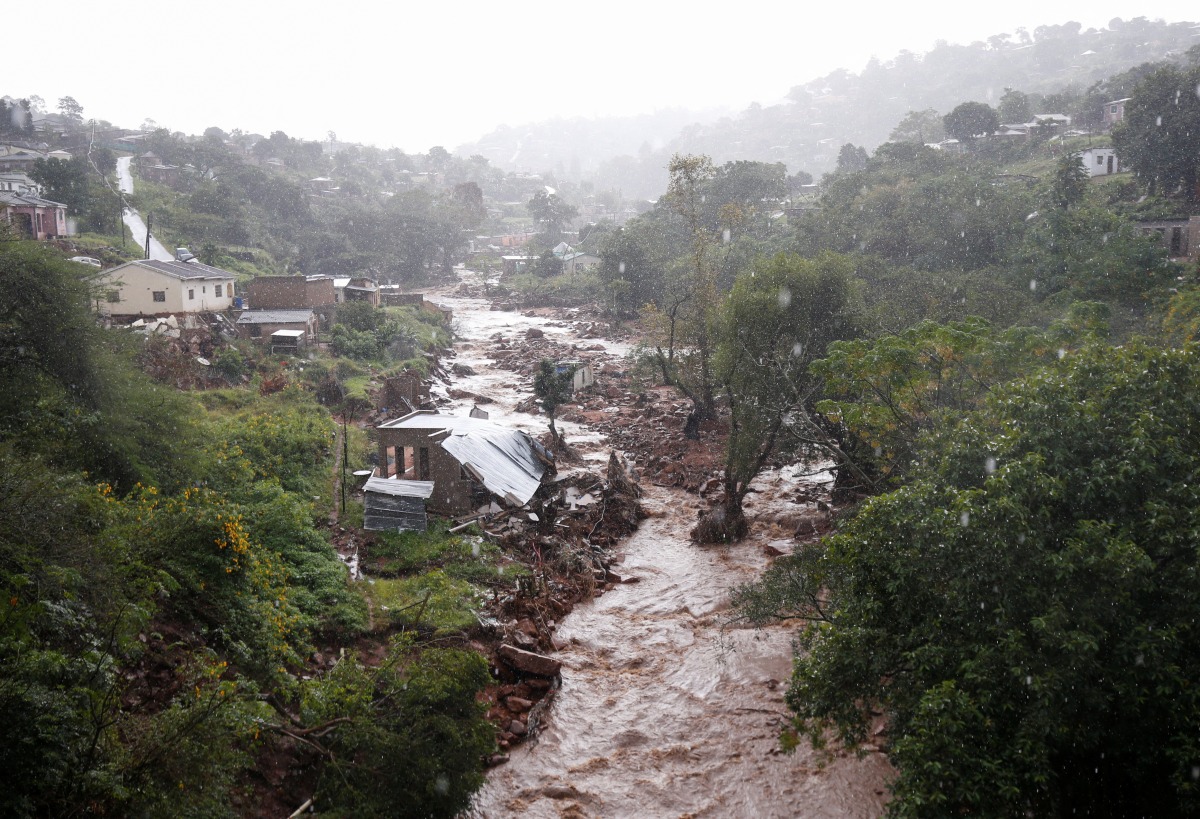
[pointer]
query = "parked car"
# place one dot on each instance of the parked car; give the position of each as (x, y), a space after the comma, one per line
(88, 260)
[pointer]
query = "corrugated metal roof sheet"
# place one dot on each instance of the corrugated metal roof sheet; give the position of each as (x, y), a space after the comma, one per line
(184, 270)
(393, 486)
(504, 460)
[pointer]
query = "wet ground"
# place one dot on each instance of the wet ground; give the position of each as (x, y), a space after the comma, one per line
(665, 710)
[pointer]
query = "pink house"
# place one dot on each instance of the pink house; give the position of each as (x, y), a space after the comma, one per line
(33, 216)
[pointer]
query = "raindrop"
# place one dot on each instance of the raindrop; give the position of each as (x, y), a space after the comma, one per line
(978, 203)
(1020, 538)
(621, 268)
(1062, 353)
(1033, 284)
(1028, 680)
(878, 452)
(989, 465)
(964, 519)
(1196, 768)
(1032, 216)
(475, 549)
(442, 785)
(785, 297)
(797, 349)
(1158, 121)
(1140, 659)
(725, 235)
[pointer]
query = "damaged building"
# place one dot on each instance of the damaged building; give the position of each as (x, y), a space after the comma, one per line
(469, 461)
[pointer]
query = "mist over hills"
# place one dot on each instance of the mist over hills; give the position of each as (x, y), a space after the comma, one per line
(1066, 65)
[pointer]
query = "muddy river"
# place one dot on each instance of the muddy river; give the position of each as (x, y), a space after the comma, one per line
(665, 710)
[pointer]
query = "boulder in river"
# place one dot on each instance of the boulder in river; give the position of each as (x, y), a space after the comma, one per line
(528, 662)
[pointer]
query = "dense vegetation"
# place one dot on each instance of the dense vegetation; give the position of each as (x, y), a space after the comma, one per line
(1014, 593)
(991, 350)
(165, 579)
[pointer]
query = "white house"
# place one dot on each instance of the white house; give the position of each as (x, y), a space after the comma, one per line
(1100, 161)
(152, 287)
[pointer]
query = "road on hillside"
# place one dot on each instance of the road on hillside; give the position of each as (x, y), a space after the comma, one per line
(133, 219)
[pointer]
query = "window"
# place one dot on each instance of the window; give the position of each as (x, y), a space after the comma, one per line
(423, 464)
(191, 294)
(159, 295)
(218, 291)
(203, 288)
(1099, 160)
(113, 296)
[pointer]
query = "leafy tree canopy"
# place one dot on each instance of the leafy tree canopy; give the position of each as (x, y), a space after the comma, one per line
(1160, 134)
(971, 119)
(1024, 610)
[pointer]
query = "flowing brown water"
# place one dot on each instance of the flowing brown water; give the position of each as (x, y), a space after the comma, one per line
(665, 710)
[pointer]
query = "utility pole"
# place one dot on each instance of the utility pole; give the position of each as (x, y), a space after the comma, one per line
(149, 219)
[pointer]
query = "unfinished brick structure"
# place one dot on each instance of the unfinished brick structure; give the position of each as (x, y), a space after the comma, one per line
(470, 461)
(289, 292)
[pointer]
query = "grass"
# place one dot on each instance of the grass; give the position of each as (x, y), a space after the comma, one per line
(432, 599)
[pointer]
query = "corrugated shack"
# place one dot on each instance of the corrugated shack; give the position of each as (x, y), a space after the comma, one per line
(396, 505)
(263, 324)
(469, 460)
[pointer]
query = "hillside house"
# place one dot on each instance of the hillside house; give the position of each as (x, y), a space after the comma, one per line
(1114, 111)
(16, 182)
(1100, 161)
(32, 216)
(20, 160)
(356, 288)
(1180, 237)
(149, 287)
(470, 461)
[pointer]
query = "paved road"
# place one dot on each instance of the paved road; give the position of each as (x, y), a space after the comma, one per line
(133, 219)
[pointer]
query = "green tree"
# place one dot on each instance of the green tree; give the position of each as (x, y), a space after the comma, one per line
(552, 386)
(406, 739)
(1092, 252)
(882, 394)
(71, 110)
(971, 119)
(65, 181)
(1023, 611)
(686, 362)
(1069, 183)
(851, 159)
(920, 127)
(1014, 107)
(779, 317)
(1160, 135)
(551, 213)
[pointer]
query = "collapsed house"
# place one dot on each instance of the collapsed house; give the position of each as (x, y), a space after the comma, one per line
(470, 462)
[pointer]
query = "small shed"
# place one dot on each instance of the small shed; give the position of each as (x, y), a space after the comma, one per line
(396, 505)
(583, 376)
(288, 341)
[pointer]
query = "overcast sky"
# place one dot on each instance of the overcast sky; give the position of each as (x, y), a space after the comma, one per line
(414, 75)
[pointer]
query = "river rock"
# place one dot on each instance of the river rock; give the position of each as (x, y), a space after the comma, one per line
(518, 704)
(516, 728)
(537, 664)
(534, 332)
